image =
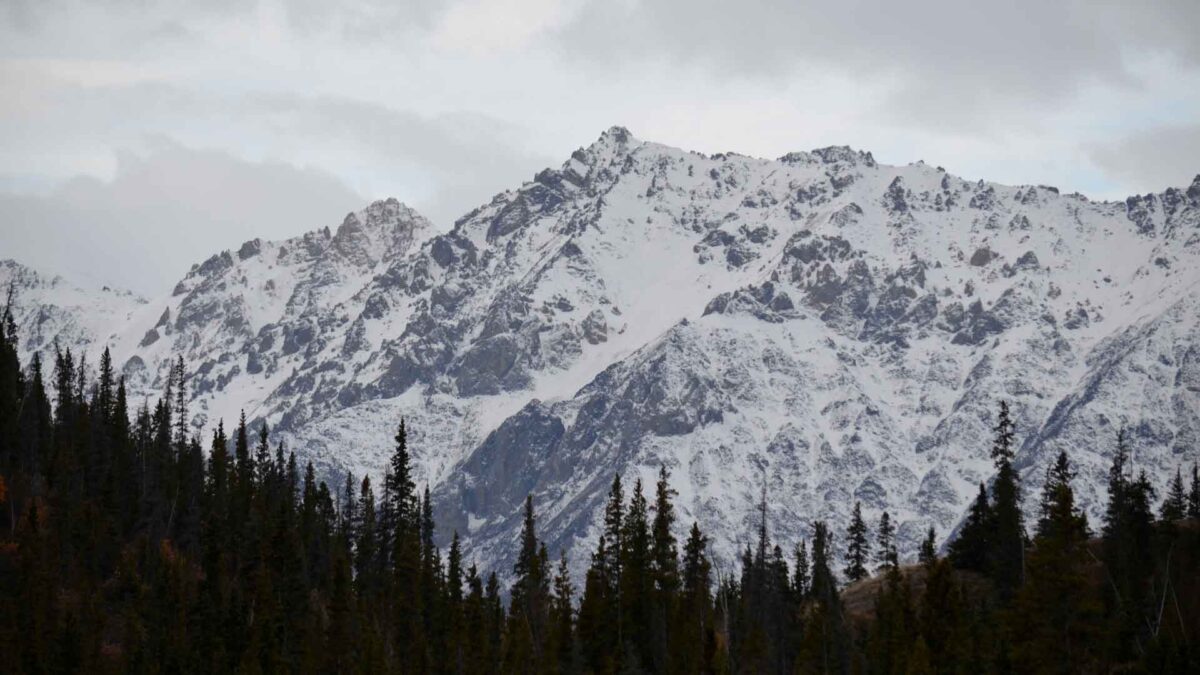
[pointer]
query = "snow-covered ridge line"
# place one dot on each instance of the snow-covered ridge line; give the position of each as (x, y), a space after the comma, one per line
(836, 328)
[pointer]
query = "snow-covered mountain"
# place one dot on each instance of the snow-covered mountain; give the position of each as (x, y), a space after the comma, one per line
(51, 310)
(822, 325)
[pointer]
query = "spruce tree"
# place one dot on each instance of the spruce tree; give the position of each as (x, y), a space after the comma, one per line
(801, 576)
(1127, 537)
(597, 635)
(886, 554)
(1055, 489)
(825, 645)
(1175, 506)
(858, 547)
(601, 633)
(970, 550)
(1053, 618)
(529, 605)
(637, 576)
(1193, 510)
(927, 555)
(403, 534)
(693, 635)
(1007, 554)
(562, 636)
(664, 570)
(941, 615)
(365, 574)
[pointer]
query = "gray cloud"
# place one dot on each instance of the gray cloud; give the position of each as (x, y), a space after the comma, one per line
(940, 57)
(164, 211)
(465, 158)
(443, 164)
(442, 103)
(1149, 160)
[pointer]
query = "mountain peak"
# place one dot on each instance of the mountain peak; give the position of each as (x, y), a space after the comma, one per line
(837, 327)
(616, 134)
(615, 141)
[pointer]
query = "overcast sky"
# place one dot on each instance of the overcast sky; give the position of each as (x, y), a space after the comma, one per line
(160, 132)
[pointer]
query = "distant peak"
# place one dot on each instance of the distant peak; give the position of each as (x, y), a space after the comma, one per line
(613, 145)
(616, 134)
(615, 140)
(832, 154)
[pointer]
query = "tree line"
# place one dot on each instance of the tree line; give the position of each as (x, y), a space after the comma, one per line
(126, 546)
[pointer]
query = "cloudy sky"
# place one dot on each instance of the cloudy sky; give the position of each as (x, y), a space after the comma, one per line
(137, 136)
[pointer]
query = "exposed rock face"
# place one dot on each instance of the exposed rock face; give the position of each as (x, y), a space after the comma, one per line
(835, 329)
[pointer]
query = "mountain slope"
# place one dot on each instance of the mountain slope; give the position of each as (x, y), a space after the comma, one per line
(821, 325)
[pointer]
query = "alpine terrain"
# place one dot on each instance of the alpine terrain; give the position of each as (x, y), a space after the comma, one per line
(819, 328)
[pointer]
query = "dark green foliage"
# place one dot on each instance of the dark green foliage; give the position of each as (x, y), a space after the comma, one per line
(927, 555)
(858, 547)
(1007, 543)
(1175, 506)
(885, 553)
(127, 547)
(1193, 510)
(1053, 626)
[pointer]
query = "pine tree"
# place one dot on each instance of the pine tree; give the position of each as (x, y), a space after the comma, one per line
(529, 606)
(597, 635)
(601, 634)
(1008, 531)
(970, 550)
(562, 636)
(693, 635)
(179, 405)
(1127, 537)
(365, 543)
(928, 553)
(1055, 489)
(403, 534)
(894, 631)
(858, 548)
(1194, 494)
(665, 570)
(801, 577)
(636, 581)
(886, 554)
(941, 616)
(1175, 506)
(825, 645)
(1051, 626)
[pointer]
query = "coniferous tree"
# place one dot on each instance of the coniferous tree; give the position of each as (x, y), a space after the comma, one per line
(941, 616)
(1008, 531)
(894, 631)
(692, 645)
(664, 570)
(886, 554)
(365, 553)
(601, 633)
(596, 634)
(530, 598)
(1193, 510)
(1053, 614)
(1175, 506)
(126, 548)
(403, 536)
(801, 577)
(825, 645)
(562, 635)
(1127, 536)
(927, 555)
(637, 579)
(858, 547)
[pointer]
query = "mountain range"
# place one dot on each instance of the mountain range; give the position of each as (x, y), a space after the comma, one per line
(819, 329)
